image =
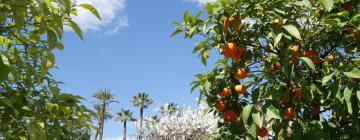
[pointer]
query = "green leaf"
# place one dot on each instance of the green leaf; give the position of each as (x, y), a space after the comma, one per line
(257, 119)
(246, 112)
(60, 46)
(273, 112)
(327, 78)
(76, 28)
(328, 4)
(347, 97)
(200, 45)
(4, 67)
(186, 16)
(52, 38)
(354, 73)
(277, 39)
(175, 33)
(91, 9)
(308, 62)
(292, 30)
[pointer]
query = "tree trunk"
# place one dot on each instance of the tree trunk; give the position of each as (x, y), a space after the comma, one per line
(102, 120)
(124, 131)
(97, 134)
(141, 121)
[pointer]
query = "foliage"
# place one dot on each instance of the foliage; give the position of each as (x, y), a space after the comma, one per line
(125, 115)
(301, 61)
(185, 123)
(31, 104)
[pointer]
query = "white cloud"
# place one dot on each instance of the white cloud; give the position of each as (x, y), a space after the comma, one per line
(110, 12)
(121, 23)
(201, 2)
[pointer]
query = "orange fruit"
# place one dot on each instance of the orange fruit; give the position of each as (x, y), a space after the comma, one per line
(295, 92)
(277, 22)
(240, 73)
(275, 67)
(295, 49)
(295, 60)
(313, 55)
(330, 58)
(220, 105)
(261, 132)
(289, 113)
(230, 49)
(229, 116)
(231, 20)
(238, 54)
(240, 89)
(224, 92)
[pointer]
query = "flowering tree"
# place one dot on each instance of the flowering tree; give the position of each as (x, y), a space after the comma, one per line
(286, 63)
(183, 124)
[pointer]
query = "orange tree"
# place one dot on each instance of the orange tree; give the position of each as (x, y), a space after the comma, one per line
(290, 68)
(32, 105)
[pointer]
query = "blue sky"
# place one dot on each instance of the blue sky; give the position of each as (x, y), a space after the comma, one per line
(130, 51)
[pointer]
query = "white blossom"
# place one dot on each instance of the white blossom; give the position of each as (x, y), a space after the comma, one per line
(185, 123)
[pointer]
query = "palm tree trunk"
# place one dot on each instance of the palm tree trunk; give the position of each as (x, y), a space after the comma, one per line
(102, 120)
(124, 131)
(141, 121)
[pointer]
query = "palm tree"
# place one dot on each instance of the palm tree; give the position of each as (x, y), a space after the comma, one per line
(125, 115)
(168, 108)
(142, 101)
(97, 115)
(104, 98)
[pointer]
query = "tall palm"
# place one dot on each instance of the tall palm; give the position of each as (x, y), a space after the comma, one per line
(141, 100)
(168, 108)
(104, 98)
(97, 115)
(124, 116)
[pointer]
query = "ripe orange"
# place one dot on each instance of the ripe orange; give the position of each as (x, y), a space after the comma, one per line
(238, 54)
(240, 89)
(277, 22)
(240, 73)
(275, 67)
(229, 116)
(220, 105)
(289, 113)
(295, 49)
(313, 55)
(295, 92)
(261, 132)
(231, 20)
(295, 60)
(224, 92)
(230, 49)
(330, 58)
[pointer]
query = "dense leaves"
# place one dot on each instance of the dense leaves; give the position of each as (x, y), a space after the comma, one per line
(31, 104)
(302, 67)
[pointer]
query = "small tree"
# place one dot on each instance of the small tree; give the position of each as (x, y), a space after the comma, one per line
(142, 101)
(104, 98)
(124, 116)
